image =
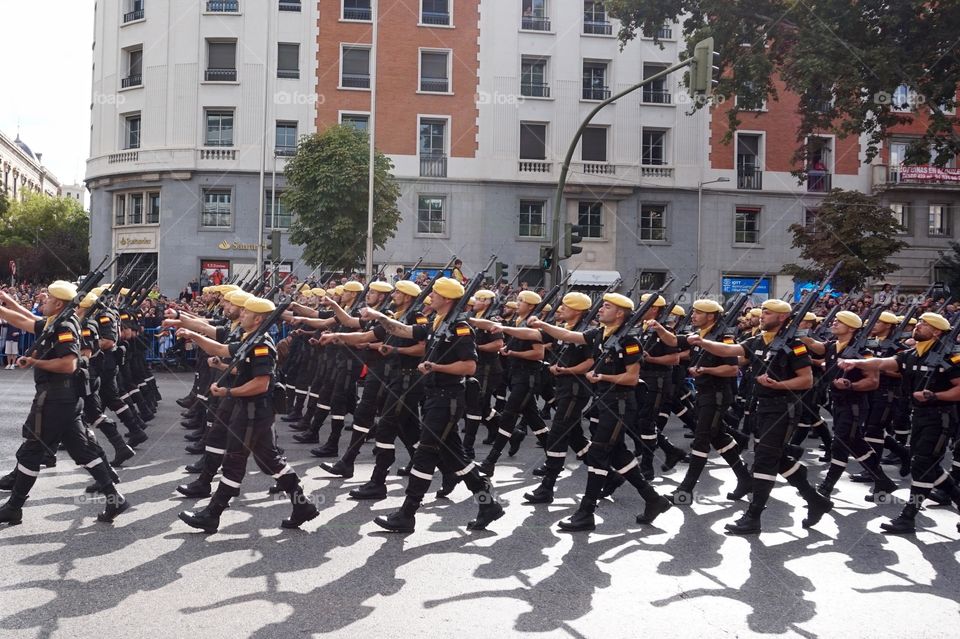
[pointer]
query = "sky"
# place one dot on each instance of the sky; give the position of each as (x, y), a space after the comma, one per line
(46, 49)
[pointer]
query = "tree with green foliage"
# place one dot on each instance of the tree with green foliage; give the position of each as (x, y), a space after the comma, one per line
(327, 191)
(851, 227)
(48, 237)
(949, 267)
(844, 58)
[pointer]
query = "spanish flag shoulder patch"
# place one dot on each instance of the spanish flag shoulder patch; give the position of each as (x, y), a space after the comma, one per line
(86, 332)
(104, 320)
(421, 320)
(463, 331)
(65, 337)
(955, 358)
(261, 351)
(799, 350)
(728, 339)
(124, 317)
(632, 349)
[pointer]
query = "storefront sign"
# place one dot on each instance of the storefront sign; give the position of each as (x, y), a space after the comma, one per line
(238, 246)
(136, 241)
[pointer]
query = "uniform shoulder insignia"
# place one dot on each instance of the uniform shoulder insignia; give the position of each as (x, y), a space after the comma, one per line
(65, 337)
(261, 351)
(728, 339)
(86, 332)
(799, 350)
(955, 358)
(104, 319)
(632, 349)
(462, 330)
(421, 319)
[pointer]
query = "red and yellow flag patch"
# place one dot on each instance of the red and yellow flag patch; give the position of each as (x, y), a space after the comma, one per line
(728, 339)
(421, 320)
(799, 350)
(463, 331)
(85, 332)
(65, 338)
(261, 351)
(104, 320)
(632, 349)
(955, 358)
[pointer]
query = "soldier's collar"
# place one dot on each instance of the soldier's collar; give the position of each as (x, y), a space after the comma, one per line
(706, 331)
(923, 347)
(768, 336)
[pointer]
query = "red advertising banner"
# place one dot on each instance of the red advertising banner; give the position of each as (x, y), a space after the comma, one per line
(928, 174)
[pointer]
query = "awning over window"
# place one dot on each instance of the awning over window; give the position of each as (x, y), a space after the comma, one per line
(581, 277)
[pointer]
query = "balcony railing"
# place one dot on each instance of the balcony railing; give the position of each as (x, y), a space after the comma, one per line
(131, 81)
(599, 168)
(223, 6)
(434, 85)
(665, 33)
(355, 80)
(435, 17)
(596, 93)
(656, 96)
(533, 23)
(285, 151)
(433, 166)
(132, 16)
(597, 27)
(535, 166)
(288, 74)
(290, 5)
(656, 172)
(357, 13)
(123, 157)
(221, 75)
(818, 182)
(749, 179)
(532, 90)
(218, 154)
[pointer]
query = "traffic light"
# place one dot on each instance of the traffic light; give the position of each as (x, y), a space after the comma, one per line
(500, 270)
(274, 245)
(546, 257)
(572, 236)
(705, 68)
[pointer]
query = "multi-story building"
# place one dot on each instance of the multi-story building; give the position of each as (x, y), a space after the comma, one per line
(22, 172)
(192, 99)
(77, 192)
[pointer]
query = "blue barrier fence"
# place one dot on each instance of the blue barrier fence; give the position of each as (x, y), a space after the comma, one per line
(162, 347)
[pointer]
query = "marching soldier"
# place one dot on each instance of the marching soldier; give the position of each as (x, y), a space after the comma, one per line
(489, 376)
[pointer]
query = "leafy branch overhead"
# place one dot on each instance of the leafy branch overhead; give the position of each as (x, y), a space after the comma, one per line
(328, 192)
(852, 227)
(844, 58)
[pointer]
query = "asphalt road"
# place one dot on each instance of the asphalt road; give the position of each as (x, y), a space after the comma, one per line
(62, 574)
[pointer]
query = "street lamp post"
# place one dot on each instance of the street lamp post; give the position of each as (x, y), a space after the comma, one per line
(700, 186)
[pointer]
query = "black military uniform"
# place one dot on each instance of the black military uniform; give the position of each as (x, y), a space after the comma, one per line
(480, 392)
(108, 370)
(653, 393)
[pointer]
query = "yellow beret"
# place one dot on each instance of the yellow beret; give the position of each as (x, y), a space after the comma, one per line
(124, 291)
(448, 288)
(304, 287)
(777, 306)
(888, 318)
(409, 288)
(318, 292)
(849, 318)
(307, 293)
(577, 301)
(511, 304)
(678, 311)
(226, 288)
(912, 322)
(936, 320)
(619, 300)
(471, 301)
(207, 289)
(259, 305)
(338, 290)
(238, 298)
(529, 297)
(62, 290)
(353, 286)
(484, 294)
(98, 291)
(88, 300)
(660, 301)
(754, 312)
(547, 308)
(707, 306)
(381, 287)
(810, 317)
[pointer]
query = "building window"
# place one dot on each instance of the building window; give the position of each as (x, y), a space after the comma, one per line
(653, 147)
(656, 92)
(131, 131)
(288, 60)
(750, 100)
(749, 173)
(221, 61)
(535, 16)
(290, 5)
(590, 219)
(653, 222)
(359, 121)
(283, 217)
(533, 141)
(901, 215)
(594, 144)
(357, 10)
(746, 226)
(434, 72)
(533, 78)
(355, 68)
(595, 81)
(431, 218)
(433, 145)
(810, 220)
(286, 139)
(119, 210)
(435, 12)
(219, 128)
(135, 12)
(223, 6)
(595, 18)
(134, 69)
(153, 208)
(217, 208)
(136, 208)
(940, 220)
(532, 218)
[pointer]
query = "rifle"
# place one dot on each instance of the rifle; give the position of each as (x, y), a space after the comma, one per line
(788, 331)
(147, 285)
(664, 314)
(890, 343)
(362, 297)
(124, 300)
(122, 282)
(591, 315)
(729, 317)
(417, 304)
(553, 312)
(940, 356)
(444, 330)
(278, 287)
(247, 344)
(633, 288)
(408, 272)
(614, 343)
(822, 331)
(546, 299)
